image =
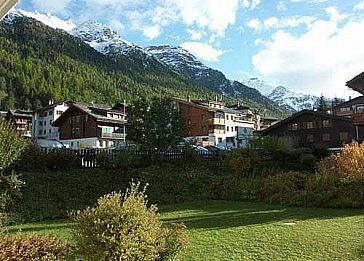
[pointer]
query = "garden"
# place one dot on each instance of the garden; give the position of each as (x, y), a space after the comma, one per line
(271, 202)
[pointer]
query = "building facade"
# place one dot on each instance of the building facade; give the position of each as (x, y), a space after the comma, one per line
(21, 120)
(211, 123)
(316, 129)
(92, 126)
(43, 119)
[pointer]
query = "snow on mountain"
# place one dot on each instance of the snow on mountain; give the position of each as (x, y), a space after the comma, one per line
(175, 57)
(104, 39)
(259, 85)
(47, 19)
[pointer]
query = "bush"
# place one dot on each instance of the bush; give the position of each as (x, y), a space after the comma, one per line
(127, 159)
(32, 247)
(105, 160)
(61, 159)
(123, 227)
(32, 159)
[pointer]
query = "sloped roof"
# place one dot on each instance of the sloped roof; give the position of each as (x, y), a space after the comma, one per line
(357, 83)
(299, 114)
(91, 112)
(357, 100)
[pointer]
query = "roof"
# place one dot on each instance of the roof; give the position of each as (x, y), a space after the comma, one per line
(357, 100)
(89, 111)
(50, 106)
(357, 83)
(298, 114)
(195, 103)
(21, 113)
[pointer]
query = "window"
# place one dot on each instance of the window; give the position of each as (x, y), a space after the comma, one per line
(40, 123)
(309, 125)
(44, 132)
(325, 123)
(50, 122)
(59, 112)
(344, 136)
(40, 132)
(50, 113)
(310, 138)
(45, 123)
(50, 131)
(203, 117)
(204, 128)
(219, 140)
(326, 137)
(359, 108)
(345, 109)
(106, 130)
(227, 128)
(76, 131)
(294, 126)
(227, 117)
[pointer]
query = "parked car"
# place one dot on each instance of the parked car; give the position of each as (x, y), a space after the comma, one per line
(200, 148)
(215, 148)
(48, 143)
(130, 147)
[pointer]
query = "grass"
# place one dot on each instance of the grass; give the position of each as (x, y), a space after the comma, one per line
(226, 230)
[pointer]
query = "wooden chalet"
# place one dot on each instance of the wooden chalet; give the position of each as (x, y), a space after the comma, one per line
(357, 84)
(85, 125)
(21, 120)
(316, 129)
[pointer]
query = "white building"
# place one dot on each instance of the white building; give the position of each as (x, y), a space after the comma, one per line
(44, 118)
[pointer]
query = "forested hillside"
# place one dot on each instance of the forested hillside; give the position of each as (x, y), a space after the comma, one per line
(38, 63)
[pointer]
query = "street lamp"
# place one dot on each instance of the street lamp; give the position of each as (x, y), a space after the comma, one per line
(5, 6)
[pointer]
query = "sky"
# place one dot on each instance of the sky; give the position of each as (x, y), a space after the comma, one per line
(309, 46)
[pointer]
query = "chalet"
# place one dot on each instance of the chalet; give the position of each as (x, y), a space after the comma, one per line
(357, 84)
(349, 108)
(21, 120)
(211, 123)
(85, 125)
(316, 129)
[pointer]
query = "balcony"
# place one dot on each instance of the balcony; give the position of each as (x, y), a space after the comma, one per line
(216, 131)
(358, 118)
(217, 121)
(114, 135)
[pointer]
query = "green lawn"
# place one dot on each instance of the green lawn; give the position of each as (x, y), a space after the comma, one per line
(225, 230)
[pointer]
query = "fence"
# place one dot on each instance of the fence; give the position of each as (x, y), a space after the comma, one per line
(87, 158)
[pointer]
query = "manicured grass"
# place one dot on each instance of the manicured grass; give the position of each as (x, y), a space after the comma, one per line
(226, 230)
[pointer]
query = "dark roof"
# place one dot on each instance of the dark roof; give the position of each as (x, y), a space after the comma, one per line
(21, 113)
(357, 100)
(357, 80)
(91, 112)
(53, 105)
(298, 114)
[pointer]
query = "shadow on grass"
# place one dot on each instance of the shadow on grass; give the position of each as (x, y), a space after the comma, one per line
(226, 214)
(39, 227)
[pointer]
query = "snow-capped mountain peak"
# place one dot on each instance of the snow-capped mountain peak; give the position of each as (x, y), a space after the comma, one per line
(259, 84)
(104, 39)
(47, 19)
(175, 56)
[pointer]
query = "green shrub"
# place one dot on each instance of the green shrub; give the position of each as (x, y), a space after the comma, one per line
(32, 247)
(61, 159)
(105, 160)
(32, 159)
(243, 162)
(123, 227)
(127, 159)
(308, 161)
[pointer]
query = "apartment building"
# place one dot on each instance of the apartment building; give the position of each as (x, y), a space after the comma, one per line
(212, 123)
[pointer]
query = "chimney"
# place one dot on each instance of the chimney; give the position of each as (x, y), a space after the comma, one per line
(349, 98)
(189, 98)
(50, 102)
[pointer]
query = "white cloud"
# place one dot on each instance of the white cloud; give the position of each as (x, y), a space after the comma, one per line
(359, 6)
(246, 3)
(50, 6)
(334, 14)
(254, 24)
(151, 32)
(281, 6)
(203, 51)
(275, 23)
(255, 3)
(196, 35)
(215, 15)
(318, 61)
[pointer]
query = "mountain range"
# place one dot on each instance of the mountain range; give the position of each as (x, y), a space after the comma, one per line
(166, 57)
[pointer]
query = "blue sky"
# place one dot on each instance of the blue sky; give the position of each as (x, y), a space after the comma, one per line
(310, 46)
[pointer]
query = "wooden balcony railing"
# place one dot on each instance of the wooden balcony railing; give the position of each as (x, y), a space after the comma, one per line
(114, 135)
(358, 118)
(217, 121)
